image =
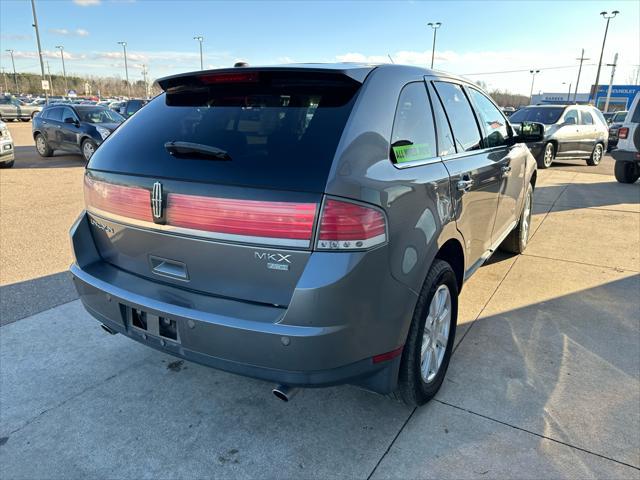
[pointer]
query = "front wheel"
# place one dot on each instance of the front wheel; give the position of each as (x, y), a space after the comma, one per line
(43, 148)
(547, 157)
(25, 119)
(88, 149)
(626, 172)
(596, 155)
(426, 354)
(517, 240)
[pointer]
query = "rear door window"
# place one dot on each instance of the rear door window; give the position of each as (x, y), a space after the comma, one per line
(55, 114)
(413, 137)
(460, 116)
(280, 131)
(446, 144)
(587, 119)
(571, 117)
(493, 122)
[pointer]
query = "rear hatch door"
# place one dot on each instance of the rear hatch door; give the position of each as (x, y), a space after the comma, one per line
(215, 185)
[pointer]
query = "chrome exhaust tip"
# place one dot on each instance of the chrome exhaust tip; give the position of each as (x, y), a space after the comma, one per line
(284, 392)
(107, 329)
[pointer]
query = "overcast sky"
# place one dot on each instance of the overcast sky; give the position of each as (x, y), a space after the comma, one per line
(477, 38)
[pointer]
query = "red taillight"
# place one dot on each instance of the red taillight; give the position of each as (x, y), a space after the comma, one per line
(623, 132)
(248, 218)
(130, 202)
(216, 78)
(349, 226)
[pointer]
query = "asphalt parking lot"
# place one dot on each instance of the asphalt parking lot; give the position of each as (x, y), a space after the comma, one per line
(544, 381)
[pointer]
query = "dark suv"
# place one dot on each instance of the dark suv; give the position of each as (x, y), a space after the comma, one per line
(309, 225)
(73, 128)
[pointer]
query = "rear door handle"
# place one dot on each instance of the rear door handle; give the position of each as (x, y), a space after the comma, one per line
(464, 185)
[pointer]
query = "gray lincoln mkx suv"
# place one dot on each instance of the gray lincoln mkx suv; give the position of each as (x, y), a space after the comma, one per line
(309, 225)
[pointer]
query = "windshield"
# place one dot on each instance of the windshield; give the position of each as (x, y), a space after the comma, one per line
(619, 116)
(546, 115)
(99, 115)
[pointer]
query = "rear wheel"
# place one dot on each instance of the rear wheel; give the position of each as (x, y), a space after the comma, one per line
(429, 344)
(25, 119)
(596, 155)
(43, 148)
(547, 157)
(88, 149)
(626, 172)
(517, 240)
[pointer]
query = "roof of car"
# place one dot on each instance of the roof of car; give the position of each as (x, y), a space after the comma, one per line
(356, 71)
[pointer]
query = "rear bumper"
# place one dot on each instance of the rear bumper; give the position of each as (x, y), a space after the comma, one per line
(300, 345)
(625, 156)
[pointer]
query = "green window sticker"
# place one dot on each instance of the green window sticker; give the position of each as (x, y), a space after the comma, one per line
(411, 153)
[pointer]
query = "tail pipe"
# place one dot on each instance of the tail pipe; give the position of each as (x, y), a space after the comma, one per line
(285, 392)
(107, 329)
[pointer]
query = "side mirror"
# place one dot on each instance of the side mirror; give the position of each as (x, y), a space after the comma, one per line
(531, 132)
(70, 120)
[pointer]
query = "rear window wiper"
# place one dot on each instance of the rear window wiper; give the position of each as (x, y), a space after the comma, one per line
(197, 150)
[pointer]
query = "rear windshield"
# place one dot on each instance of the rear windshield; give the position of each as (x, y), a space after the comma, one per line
(275, 133)
(546, 115)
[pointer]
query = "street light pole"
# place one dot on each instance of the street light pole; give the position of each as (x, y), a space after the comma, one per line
(533, 78)
(15, 75)
(582, 59)
(50, 81)
(613, 72)
(4, 76)
(569, 92)
(35, 25)
(64, 71)
(608, 16)
(435, 26)
(126, 67)
(200, 39)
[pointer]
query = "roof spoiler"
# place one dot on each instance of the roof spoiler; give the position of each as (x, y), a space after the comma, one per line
(252, 75)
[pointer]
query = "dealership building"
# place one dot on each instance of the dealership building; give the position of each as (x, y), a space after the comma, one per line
(621, 97)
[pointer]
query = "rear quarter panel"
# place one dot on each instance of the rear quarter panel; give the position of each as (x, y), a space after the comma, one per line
(415, 199)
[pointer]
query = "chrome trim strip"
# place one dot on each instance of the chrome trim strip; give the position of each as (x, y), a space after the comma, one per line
(228, 237)
(418, 163)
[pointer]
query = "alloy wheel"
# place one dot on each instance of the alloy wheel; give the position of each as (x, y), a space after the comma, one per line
(436, 334)
(548, 155)
(526, 220)
(88, 150)
(41, 145)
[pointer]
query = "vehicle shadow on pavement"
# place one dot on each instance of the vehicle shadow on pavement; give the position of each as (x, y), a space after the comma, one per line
(605, 194)
(22, 299)
(27, 157)
(565, 367)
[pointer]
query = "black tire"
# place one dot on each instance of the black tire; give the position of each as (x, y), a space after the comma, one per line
(7, 164)
(517, 240)
(626, 172)
(547, 156)
(25, 119)
(43, 149)
(87, 144)
(596, 155)
(412, 388)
